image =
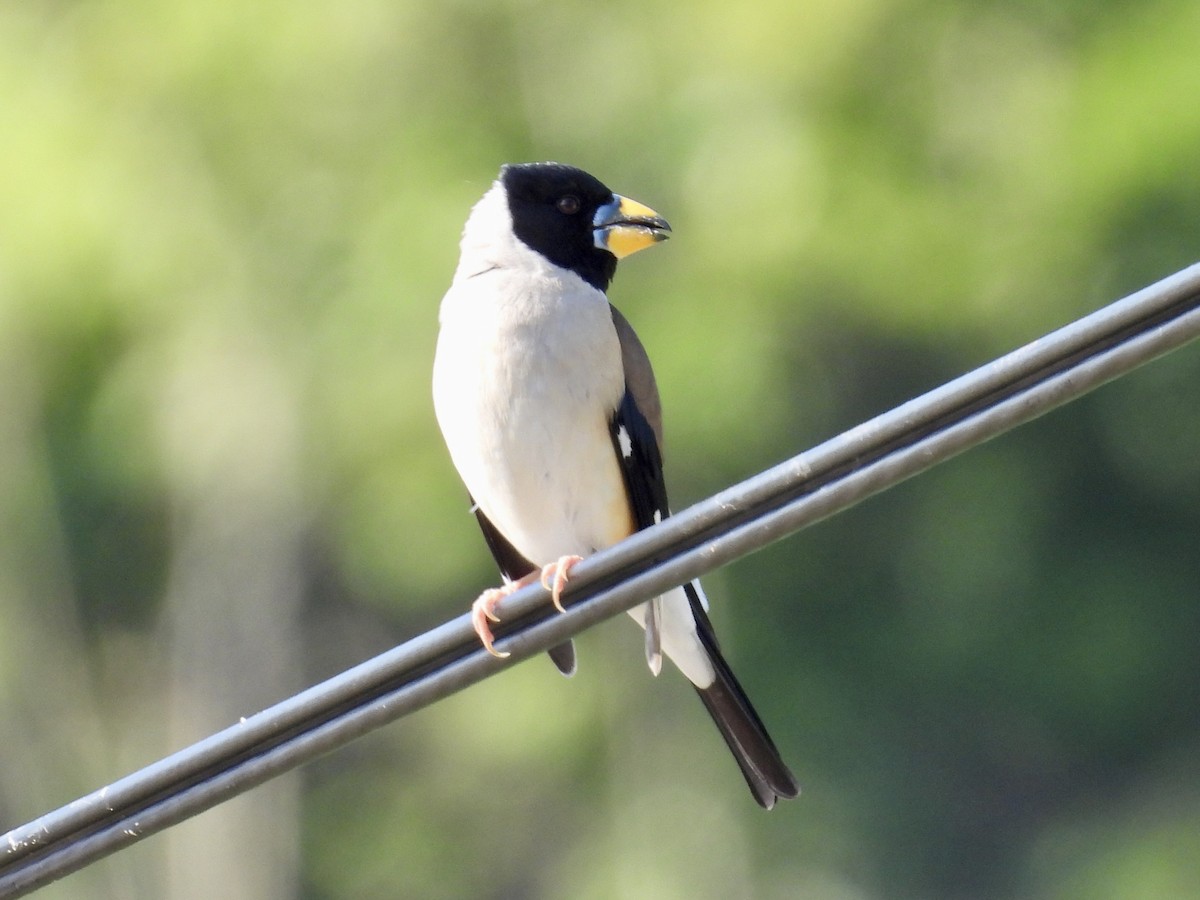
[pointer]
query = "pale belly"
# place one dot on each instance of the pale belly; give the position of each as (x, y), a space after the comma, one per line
(560, 493)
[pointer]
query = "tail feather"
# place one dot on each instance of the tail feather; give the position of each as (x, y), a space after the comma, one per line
(763, 768)
(563, 657)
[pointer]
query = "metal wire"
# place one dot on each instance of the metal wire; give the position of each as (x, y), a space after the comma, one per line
(774, 504)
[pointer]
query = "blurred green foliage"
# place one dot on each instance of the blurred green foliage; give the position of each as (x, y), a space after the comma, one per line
(224, 232)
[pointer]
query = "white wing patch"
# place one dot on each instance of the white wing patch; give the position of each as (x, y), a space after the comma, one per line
(625, 441)
(657, 516)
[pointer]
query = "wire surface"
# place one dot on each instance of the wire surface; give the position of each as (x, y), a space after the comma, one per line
(831, 477)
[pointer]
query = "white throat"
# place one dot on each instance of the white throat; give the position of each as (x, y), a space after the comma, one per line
(488, 241)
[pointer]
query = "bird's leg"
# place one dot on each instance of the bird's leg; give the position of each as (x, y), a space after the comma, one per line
(554, 577)
(483, 610)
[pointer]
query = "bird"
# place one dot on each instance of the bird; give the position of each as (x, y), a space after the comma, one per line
(549, 408)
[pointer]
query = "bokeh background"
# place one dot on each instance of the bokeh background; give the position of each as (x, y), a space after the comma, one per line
(224, 231)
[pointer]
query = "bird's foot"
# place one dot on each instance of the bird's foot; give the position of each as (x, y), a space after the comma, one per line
(483, 610)
(554, 578)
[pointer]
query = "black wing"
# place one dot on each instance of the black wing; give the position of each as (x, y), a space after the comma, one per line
(641, 463)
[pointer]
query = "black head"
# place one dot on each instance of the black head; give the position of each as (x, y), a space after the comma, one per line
(553, 208)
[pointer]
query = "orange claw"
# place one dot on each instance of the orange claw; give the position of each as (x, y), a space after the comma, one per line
(554, 578)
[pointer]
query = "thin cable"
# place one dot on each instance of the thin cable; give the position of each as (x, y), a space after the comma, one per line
(774, 504)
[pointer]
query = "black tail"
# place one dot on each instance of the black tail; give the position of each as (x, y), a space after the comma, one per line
(763, 768)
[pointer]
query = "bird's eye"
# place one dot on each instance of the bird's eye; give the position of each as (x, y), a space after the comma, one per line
(568, 205)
